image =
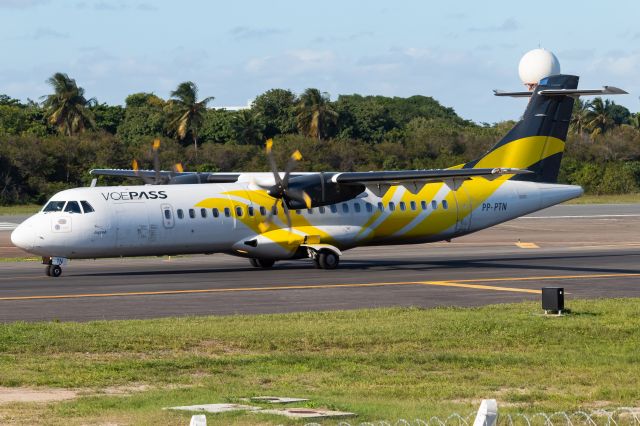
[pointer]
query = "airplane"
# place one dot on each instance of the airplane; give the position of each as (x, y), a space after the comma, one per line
(267, 217)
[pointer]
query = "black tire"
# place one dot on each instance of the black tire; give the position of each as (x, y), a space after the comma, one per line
(47, 270)
(328, 259)
(265, 263)
(254, 262)
(56, 271)
(316, 262)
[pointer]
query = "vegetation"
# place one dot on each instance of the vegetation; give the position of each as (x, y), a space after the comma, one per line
(49, 146)
(382, 364)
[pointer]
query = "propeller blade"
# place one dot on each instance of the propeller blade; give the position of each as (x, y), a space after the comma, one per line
(291, 164)
(299, 195)
(156, 160)
(287, 214)
(264, 226)
(272, 162)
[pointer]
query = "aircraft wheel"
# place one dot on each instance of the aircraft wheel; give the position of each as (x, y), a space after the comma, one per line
(316, 262)
(47, 270)
(56, 271)
(265, 263)
(328, 259)
(254, 262)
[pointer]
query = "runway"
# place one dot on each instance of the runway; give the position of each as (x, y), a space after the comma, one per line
(591, 251)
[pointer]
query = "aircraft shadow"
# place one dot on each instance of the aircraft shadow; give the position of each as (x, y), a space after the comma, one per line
(551, 263)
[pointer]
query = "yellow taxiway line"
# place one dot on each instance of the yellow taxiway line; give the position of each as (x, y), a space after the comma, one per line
(469, 283)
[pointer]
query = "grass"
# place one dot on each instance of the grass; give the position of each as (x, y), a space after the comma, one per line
(19, 209)
(606, 199)
(381, 364)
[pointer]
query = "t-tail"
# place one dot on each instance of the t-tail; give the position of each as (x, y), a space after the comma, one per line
(536, 142)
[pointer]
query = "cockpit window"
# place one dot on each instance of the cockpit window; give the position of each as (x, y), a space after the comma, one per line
(73, 207)
(54, 206)
(86, 207)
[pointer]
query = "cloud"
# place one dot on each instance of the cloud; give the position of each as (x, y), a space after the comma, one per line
(246, 33)
(509, 24)
(47, 33)
(20, 4)
(342, 39)
(292, 62)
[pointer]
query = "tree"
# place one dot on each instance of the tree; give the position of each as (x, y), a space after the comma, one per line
(144, 119)
(187, 112)
(599, 117)
(66, 108)
(315, 115)
(276, 107)
(580, 117)
(248, 127)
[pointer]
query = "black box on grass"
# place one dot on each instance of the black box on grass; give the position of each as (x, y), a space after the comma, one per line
(553, 299)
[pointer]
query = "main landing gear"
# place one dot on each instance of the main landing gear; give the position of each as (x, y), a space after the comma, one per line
(326, 259)
(261, 263)
(53, 266)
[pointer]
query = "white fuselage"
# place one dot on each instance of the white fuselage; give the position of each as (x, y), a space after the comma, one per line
(179, 219)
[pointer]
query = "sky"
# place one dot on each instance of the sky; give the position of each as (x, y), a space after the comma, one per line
(454, 51)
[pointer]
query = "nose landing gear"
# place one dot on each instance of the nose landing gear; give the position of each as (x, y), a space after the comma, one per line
(53, 266)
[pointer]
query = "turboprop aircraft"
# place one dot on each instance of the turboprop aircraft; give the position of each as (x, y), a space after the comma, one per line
(267, 217)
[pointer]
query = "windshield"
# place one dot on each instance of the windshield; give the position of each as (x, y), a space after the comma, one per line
(54, 206)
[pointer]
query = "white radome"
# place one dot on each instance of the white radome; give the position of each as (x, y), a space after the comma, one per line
(537, 64)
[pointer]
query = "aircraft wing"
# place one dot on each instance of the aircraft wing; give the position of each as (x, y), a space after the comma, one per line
(169, 177)
(414, 180)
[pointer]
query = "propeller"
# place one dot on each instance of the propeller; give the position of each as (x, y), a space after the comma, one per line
(281, 191)
(157, 179)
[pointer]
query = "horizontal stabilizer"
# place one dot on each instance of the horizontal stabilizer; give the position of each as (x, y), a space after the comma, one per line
(606, 90)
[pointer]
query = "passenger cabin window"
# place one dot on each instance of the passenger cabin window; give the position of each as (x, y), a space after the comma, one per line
(345, 208)
(54, 206)
(356, 207)
(250, 211)
(445, 204)
(215, 212)
(263, 211)
(423, 204)
(167, 214)
(73, 207)
(403, 206)
(413, 205)
(369, 207)
(274, 210)
(203, 213)
(239, 211)
(192, 213)
(227, 212)
(392, 206)
(86, 206)
(180, 214)
(381, 207)
(333, 208)
(321, 209)
(298, 211)
(434, 204)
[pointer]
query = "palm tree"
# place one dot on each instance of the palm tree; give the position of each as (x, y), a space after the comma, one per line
(315, 114)
(66, 108)
(188, 113)
(248, 127)
(580, 117)
(599, 118)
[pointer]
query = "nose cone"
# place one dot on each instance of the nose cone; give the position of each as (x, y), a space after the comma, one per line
(22, 237)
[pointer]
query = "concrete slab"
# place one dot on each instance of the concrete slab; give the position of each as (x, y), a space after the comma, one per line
(308, 413)
(276, 399)
(215, 408)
